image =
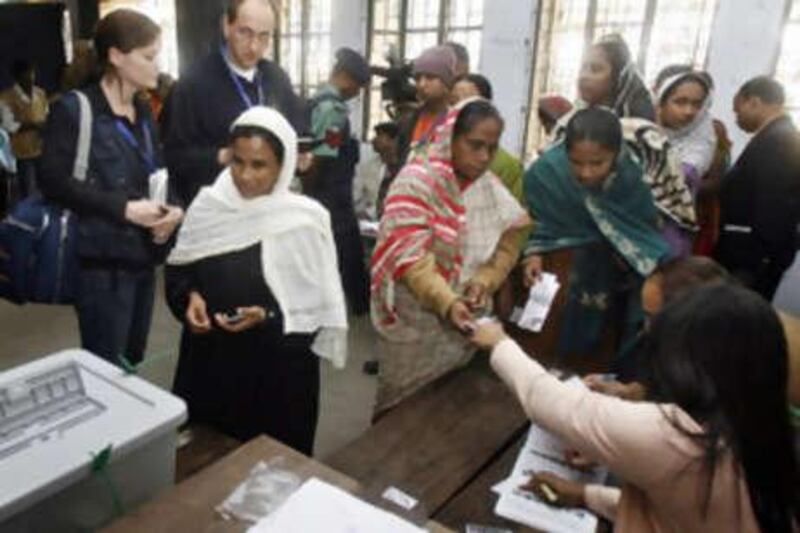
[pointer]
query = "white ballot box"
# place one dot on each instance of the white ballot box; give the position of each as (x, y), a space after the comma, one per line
(60, 412)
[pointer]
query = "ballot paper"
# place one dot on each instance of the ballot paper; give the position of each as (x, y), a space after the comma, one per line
(318, 507)
(543, 451)
(368, 228)
(540, 298)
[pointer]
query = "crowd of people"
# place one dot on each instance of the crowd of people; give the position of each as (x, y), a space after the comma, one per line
(675, 248)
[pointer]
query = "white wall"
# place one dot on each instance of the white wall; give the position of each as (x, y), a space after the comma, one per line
(509, 28)
(744, 43)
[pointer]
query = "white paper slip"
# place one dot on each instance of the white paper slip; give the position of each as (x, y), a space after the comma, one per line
(524, 507)
(368, 228)
(540, 298)
(509, 484)
(395, 495)
(318, 507)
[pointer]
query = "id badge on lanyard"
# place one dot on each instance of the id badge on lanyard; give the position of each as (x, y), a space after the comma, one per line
(246, 100)
(147, 153)
(157, 180)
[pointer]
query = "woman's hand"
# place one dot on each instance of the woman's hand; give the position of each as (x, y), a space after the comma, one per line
(576, 459)
(488, 335)
(145, 213)
(476, 296)
(224, 157)
(461, 317)
(304, 162)
(532, 268)
(197, 314)
(251, 316)
(633, 391)
(164, 228)
(556, 490)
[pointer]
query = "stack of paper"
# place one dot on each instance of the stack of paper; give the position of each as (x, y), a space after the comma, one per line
(544, 452)
(318, 507)
(540, 299)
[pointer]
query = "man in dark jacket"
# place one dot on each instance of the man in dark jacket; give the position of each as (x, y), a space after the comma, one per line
(215, 91)
(760, 196)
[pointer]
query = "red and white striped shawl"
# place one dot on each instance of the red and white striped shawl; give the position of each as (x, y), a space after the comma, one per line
(424, 213)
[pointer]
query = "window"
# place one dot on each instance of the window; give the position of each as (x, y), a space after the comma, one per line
(163, 12)
(658, 33)
(788, 67)
(304, 43)
(407, 27)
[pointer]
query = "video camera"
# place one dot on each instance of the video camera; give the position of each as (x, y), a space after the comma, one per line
(398, 93)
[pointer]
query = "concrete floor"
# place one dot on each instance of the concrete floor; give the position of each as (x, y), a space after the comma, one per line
(31, 331)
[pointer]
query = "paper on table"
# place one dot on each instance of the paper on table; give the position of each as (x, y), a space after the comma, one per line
(543, 451)
(540, 298)
(318, 507)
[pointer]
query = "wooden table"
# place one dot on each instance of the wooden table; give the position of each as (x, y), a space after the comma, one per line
(437, 441)
(475, 504)
(189, 506)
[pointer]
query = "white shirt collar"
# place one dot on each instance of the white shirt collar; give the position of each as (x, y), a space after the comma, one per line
(249, 74)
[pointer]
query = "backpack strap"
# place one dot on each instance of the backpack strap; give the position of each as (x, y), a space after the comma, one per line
(81, 165)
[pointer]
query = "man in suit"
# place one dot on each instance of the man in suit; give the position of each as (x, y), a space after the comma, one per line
(760, 196)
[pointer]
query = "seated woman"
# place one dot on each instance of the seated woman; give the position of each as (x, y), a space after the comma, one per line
(587, 194)
(683, 104)
(254, 279)
(422, 301)
(711, 449)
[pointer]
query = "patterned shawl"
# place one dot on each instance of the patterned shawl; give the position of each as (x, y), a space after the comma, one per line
(569, 215)
(649, 146)
(424, 213)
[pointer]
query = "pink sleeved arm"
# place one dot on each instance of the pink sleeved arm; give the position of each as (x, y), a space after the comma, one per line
(623, 435)
(602, 500)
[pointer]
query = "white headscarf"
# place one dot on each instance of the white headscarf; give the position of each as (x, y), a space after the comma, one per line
(298, 253)
(696, 142)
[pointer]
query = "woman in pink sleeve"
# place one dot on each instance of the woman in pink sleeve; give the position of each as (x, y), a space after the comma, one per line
(710, 450)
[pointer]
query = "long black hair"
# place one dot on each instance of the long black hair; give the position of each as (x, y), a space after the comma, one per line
(595, 124)
(473, 113)
(719, 353)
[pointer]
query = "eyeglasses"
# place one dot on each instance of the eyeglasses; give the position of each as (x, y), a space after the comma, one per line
(248, 35)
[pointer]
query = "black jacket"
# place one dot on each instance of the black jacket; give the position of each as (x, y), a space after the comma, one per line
(117, 173)
(201, 109)
(760, 208)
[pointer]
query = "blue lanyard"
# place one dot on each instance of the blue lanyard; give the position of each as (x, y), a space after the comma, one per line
(148, 154)
(248, 102)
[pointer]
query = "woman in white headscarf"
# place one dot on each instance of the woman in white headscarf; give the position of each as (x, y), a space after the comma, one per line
(254, 279)
(683, 98)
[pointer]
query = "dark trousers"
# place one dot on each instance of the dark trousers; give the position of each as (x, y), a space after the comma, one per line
(26, 176)
(114, 308)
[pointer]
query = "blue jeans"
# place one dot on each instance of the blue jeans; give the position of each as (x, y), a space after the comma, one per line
(114, 308)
